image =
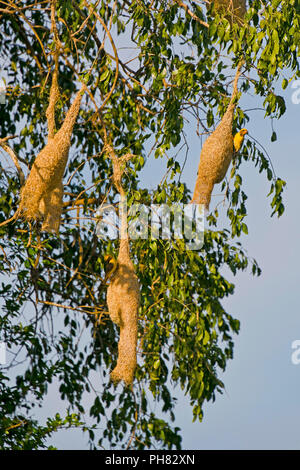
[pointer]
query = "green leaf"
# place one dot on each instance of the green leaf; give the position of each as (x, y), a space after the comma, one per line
(273, 137)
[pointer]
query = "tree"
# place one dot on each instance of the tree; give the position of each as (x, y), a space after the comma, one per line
(153, 71)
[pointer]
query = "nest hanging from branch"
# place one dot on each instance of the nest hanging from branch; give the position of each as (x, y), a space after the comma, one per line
(233, 10)
(123, 293)
(41, 196)
(217, 152)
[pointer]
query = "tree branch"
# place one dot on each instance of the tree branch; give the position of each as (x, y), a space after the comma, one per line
(13, 156)
(190, 13)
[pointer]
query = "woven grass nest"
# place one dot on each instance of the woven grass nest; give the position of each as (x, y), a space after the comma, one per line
(123, 293)
(233, 10)
(217, 153)
(41, 196)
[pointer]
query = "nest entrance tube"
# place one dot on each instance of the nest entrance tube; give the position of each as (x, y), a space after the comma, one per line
(217, 152)
(123, 293)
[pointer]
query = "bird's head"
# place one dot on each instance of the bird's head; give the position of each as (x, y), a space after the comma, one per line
(108, 258)
(239, 139)
(110, 265)
(109, 262)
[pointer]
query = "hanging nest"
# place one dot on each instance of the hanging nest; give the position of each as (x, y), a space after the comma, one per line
(41, 196)
(123, 293)
(217, 153)
(233, 10)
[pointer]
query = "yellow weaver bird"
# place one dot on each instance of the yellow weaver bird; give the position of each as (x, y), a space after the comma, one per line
(239, 139)
(110, 266)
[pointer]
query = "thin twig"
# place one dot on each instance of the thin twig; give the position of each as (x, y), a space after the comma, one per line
(14, 158)
(190, 13)
(54, 304)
